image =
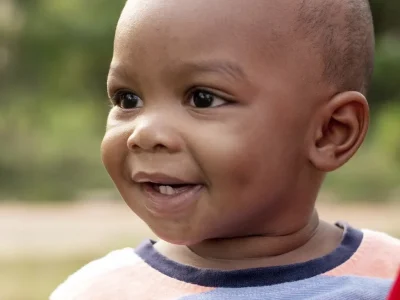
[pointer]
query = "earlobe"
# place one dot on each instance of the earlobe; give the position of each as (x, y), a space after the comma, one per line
(341, 128)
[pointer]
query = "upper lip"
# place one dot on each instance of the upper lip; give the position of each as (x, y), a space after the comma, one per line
(160, 178)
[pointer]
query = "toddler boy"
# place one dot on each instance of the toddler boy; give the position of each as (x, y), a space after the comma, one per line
(226, 117)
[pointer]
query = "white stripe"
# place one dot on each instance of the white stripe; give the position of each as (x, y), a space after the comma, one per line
(78, 281)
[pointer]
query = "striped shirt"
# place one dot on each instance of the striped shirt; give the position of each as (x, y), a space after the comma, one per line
(363, 266)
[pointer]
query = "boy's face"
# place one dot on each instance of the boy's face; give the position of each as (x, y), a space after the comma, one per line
(207, 96)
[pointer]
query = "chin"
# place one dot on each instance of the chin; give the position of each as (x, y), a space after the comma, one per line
(176, 238)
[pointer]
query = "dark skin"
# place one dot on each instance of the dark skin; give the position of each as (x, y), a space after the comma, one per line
(259, 152)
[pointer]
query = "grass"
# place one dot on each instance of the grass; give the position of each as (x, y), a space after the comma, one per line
(34, 278)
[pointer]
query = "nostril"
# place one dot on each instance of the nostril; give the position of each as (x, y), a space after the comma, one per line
(137, 148)
(159, 147)
(134, 147)
(151, 137)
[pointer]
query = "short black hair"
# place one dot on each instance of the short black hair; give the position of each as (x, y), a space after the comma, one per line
(342, 32)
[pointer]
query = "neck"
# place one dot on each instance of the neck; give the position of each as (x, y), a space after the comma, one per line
(259, 246)
(313, 240)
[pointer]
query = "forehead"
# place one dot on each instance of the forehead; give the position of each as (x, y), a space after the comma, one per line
(202, 14)
(158, 30)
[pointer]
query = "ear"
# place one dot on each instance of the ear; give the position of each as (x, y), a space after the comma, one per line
(340, 128)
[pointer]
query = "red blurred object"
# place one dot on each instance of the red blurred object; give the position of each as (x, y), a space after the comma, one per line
(395, 292)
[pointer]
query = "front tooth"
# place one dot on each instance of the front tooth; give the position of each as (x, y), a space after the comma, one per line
(167, 190)
(170, 190)
(162, 189)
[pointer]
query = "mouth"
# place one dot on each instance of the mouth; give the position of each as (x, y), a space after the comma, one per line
(168, 189)
(166, 195)
(170, 200)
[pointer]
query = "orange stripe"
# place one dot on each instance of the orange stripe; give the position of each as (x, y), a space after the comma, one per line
(139, 282)
(378, 256)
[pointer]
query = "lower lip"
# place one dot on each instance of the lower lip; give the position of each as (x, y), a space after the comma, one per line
(161, 204)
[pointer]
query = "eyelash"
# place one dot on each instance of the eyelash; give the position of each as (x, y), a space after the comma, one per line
(116, 97)
(204, 90)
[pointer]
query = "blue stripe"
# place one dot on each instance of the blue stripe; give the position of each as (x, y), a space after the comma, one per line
(317, 288)
(253, 277)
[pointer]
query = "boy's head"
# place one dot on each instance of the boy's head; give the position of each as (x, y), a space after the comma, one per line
(235, 110)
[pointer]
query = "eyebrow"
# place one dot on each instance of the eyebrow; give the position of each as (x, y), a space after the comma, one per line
(215, 66)
(117, 70)
(229, 68)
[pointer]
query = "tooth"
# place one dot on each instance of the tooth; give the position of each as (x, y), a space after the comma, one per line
(166, 190)
(162, 189)
(169, 190)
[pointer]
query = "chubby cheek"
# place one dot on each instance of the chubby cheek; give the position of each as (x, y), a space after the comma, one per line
(113, 152)
(241, 153)
(246, 167)
(243, 169)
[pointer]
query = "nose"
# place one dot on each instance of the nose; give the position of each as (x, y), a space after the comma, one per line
(154, 133)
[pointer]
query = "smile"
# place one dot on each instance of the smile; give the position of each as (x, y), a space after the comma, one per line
(167, 195)
(170, 189)
(170, 199)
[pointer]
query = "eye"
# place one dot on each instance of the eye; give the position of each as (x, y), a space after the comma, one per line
(204, 99)
(127, 100)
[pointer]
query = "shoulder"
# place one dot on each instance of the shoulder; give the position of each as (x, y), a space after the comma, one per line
(381, 247)
(377, 256)
(78, 282)
(381, 238)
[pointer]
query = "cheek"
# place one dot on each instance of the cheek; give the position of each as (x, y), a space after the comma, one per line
(237, 154)
(251, 168)
(113, 152)
(245, 172)
(253, 157)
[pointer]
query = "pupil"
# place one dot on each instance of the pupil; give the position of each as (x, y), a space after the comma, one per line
(129, 101)
(202, 99)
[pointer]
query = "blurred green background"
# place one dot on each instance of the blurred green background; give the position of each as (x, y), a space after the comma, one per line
(54, 58)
